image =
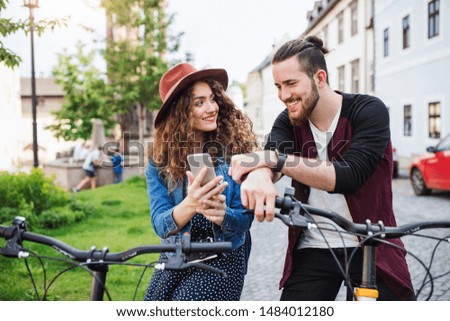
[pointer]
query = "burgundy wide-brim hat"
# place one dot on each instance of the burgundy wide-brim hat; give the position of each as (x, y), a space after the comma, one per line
(180, 77)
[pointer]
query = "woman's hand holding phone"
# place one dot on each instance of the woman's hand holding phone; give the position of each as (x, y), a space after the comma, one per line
(215, 209)
(208, 199)
(196, 194)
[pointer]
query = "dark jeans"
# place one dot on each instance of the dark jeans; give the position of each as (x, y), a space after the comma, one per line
(316, 276)
(117, 178)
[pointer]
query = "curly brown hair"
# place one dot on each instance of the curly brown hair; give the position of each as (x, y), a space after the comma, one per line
(174, 138)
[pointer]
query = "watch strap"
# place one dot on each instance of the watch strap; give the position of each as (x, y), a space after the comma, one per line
(281, 160)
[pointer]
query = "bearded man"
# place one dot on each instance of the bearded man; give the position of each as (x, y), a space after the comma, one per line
(336, 148)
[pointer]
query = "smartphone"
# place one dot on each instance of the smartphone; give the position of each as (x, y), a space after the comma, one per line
(197, 162)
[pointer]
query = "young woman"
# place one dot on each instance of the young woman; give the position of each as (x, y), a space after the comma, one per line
(198, 117)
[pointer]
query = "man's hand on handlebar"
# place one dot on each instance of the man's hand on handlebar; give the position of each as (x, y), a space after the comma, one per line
(258, 191)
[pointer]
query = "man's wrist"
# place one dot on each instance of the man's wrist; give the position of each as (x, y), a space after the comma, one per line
(280, 161)
(270, 159)
(262, 171)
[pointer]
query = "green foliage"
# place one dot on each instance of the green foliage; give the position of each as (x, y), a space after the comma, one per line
(111, 202)
(138, 181)
(86, 96)
(7, 214)
(29, 193)
(119, 227)
(60, 216)
(37, 198)
(137, 63)
(7, 56)
(9, 26)
(86, 208)
(135, 66)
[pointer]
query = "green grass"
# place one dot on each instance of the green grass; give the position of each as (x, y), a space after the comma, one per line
(121, 221)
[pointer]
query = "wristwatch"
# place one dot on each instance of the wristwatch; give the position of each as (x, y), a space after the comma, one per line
(281, 159)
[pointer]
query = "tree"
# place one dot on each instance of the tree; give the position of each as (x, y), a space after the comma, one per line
(9, 26)
(86, 96)
(136, 63)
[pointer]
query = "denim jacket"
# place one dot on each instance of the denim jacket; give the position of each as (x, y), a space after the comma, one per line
(235, 227)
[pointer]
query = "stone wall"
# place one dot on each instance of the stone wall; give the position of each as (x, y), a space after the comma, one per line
(68, 173)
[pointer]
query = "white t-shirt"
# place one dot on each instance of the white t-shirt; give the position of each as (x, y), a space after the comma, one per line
(325, 200)
(88, 163)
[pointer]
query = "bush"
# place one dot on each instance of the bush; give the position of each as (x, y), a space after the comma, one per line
(59, 216)
(37, 198)
(7, 214)
(32, 192)
(86, 209)
(53, 218)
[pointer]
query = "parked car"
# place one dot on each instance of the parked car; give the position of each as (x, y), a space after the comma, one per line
(432, 170)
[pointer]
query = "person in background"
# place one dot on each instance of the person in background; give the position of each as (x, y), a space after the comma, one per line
(90, 162)
(117, 163)
(80, 151)
(336, 148)
(197, 116)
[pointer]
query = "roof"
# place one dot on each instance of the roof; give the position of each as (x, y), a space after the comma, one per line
(268, 59)
(321, 9)
(44, 87)
(266, 62)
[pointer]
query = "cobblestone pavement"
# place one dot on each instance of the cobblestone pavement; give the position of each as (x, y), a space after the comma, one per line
(270, 240)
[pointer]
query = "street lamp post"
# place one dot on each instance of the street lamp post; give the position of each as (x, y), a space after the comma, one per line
(31, 5)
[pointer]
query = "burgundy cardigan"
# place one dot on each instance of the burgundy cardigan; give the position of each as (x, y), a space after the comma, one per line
(361, 152)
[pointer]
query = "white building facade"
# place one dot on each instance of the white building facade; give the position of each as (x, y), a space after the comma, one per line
(412, 59)
(11, 124)
(346, 28)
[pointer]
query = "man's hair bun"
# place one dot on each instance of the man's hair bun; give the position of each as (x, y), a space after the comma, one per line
(317, 42)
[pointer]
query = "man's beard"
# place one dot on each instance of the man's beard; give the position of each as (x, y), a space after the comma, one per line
(307, 107)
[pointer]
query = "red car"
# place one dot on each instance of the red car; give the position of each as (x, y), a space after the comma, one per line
(432, 170)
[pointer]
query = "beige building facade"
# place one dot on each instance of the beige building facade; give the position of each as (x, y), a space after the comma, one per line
(50, 97)
(262, 104)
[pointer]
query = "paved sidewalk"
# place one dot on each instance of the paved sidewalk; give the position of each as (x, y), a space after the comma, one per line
(270, 241)
(266, 258)
(266, 262)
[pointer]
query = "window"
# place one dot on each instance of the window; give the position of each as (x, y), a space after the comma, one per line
(354, 17)
(340, 18)
(355, 75)
(433, 18)
(341, 78)
(434, 120)
(386, 42)
(407, 120)
(406, 32)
